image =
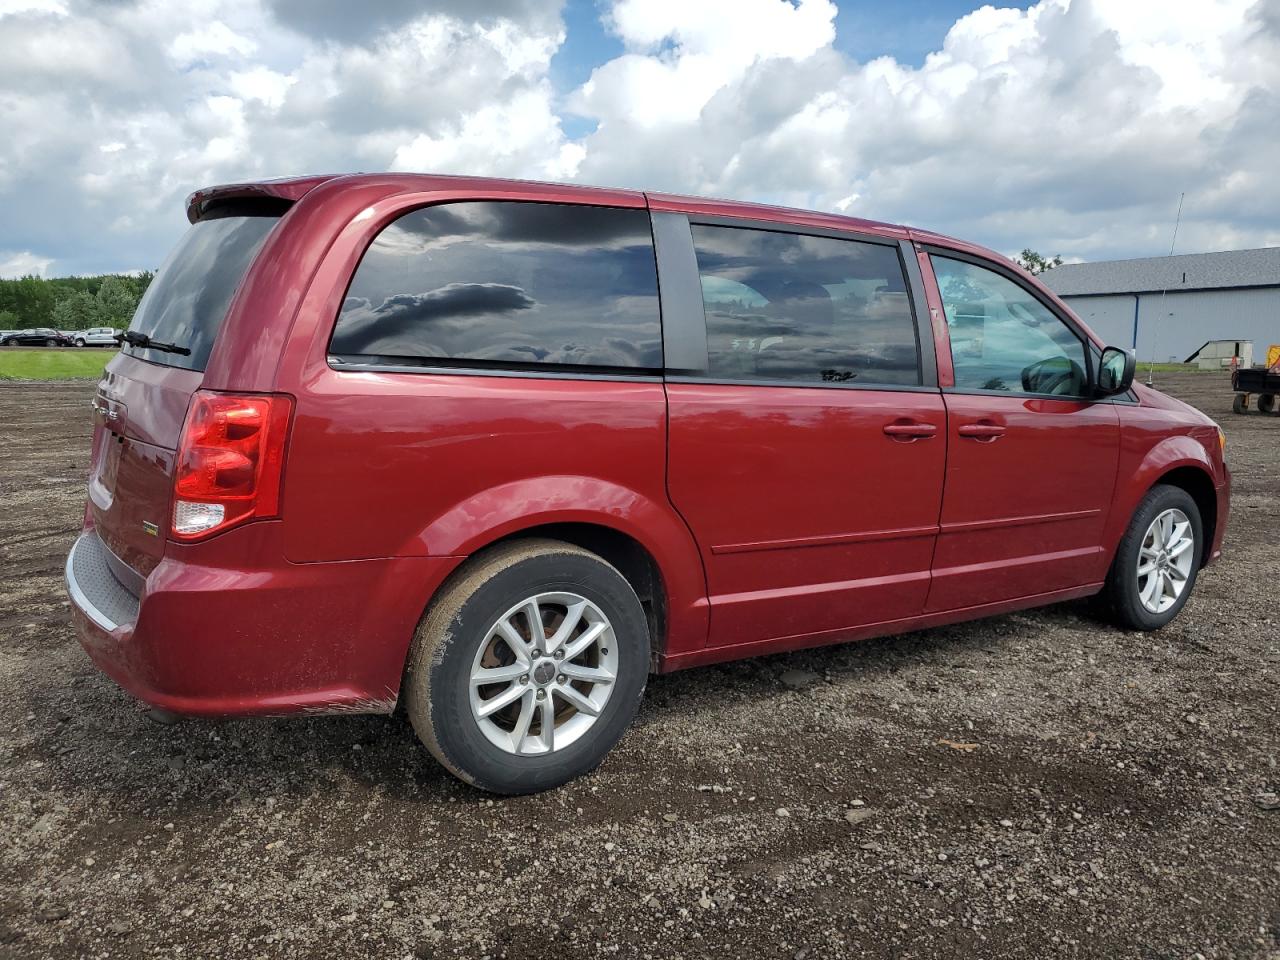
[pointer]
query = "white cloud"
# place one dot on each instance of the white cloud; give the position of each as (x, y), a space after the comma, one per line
(23, 263)
(214, 39)
(261, 84)
(716, 43)
(13, 7)
(1070, 127)
(519, 138)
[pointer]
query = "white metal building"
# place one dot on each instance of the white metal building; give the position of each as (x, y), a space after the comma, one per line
(1168, 307)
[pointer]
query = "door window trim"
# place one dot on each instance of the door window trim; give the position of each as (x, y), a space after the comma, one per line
(1068, 321)
(684, 319)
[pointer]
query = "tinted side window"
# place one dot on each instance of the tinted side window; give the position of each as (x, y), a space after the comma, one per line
(507, 283)
(1003, 338)
(783, 306)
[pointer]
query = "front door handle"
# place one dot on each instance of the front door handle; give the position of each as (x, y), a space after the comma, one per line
(907, 430)
(983, 430)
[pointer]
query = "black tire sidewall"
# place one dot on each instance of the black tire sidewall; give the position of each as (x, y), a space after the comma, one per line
(456, 732)
(1123, 581)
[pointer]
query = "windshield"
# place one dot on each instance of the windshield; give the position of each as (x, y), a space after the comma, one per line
(188, 299)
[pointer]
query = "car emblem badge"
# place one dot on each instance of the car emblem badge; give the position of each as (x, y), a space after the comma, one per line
(150, 528)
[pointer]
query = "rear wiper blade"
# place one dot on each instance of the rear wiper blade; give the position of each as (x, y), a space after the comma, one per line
(135, 339)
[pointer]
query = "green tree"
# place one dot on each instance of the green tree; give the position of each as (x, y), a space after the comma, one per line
(30, 301)
(77, 311)
(31, 298)
(116, 302)
(1035, 264)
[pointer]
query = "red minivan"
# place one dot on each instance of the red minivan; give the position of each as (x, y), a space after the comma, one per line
(497, 450)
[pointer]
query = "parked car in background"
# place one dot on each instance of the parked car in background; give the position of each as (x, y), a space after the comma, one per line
(36, 337)
(94, 337)
(497, 450)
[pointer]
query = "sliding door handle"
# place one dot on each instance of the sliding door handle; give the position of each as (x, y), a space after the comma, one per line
(982, 430)
(910, 430)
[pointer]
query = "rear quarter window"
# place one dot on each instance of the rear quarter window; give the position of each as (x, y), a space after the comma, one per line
(507, 285)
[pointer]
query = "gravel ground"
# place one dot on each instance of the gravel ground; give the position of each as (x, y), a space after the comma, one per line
(1034, 785)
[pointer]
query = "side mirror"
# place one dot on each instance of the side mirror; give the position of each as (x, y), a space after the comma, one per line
(1115, 371)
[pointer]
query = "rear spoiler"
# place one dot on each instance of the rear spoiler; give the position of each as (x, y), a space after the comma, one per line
(290, 189)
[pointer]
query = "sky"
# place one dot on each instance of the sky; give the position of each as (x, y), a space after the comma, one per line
(1067, 126)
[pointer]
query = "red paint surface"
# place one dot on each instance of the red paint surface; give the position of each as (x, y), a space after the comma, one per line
(778, 517)
(809, 517)
(1028, 489)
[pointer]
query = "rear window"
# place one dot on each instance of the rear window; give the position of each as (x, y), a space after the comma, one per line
(188, 299)
(506, 285)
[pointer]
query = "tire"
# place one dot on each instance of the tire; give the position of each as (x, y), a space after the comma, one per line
(1240, 404)
(80, 343)
(1123, 590)
(1266, 402)
(51, 343)
(463, 628)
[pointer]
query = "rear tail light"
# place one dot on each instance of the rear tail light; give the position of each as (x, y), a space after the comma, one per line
(230, 461)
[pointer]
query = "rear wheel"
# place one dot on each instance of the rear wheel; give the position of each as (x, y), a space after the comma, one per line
(1240, 404)
(1157, 561)
(528, 667)
(50, 342)
(1266, 402)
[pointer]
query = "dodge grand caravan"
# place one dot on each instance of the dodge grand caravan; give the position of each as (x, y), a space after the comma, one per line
(496, 451)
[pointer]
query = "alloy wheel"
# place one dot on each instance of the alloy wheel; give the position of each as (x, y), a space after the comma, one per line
(543, 673)
(1164, 560)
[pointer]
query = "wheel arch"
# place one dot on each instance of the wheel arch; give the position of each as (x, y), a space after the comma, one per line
(645, 540)
(1198, 483)
(1180, 461)
(620, 550)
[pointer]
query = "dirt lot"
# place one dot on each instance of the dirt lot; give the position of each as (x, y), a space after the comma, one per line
(795, 806)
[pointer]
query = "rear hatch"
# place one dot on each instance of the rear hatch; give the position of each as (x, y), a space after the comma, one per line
(142, 399)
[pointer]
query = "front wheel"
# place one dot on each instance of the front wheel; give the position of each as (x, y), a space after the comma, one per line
(528, 666)
(1266, 402)
(1157, 561)
(80, 342)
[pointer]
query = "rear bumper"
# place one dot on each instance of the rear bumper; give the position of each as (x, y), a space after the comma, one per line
(230, 628)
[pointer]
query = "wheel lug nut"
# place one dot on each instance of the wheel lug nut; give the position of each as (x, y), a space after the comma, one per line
(525, 678)
(537, 653)
(560, 679)
(542, 694)
(559, 654)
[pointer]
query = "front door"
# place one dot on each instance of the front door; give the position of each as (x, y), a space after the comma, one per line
(808, 457)
(1031, 457)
